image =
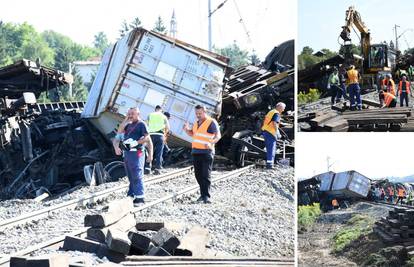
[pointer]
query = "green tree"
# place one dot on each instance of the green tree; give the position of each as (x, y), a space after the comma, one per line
(354, 49)
(159, 26)
(307, 51)
(135, 23)
(101, 42)
(238, 57)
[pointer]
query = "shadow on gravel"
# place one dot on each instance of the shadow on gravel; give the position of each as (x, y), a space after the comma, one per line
(281, 191)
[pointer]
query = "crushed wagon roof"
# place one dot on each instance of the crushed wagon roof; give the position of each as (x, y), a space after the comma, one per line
(28, 76)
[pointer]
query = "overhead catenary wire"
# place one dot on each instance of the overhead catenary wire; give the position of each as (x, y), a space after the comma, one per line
(242, 22)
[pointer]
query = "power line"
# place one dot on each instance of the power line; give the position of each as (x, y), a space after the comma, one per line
(242, 22)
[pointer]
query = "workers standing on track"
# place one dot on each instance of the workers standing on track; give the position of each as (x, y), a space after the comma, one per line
(389, 100)
(205, 133)
(157, 125)
(354, 88)
(388, 84)
(391, 194)
(132, 135)
(382, 194)
(334, 87)
(404, 90)
(410, 198)
(401, 193)
(270, 130)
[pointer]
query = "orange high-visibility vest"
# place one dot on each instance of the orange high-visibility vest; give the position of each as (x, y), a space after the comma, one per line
(391, 89)
(388, 97)
(407, 87)
(334, 202)
(400, 192)
(267, 123)
(200, 135)
(352, 76)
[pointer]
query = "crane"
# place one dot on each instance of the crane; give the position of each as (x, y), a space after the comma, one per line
(377, 59)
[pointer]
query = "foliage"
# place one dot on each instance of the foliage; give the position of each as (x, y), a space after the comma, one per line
(307, 58)
(52, 49)
(354, 49)
(101, 42)
(238, 57)
(307, 215)
(159, 26)
(356, 227)
(312, 96)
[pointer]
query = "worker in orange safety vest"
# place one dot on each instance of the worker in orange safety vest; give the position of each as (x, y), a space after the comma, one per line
(401, 194)
(404, 90)
(389, 100)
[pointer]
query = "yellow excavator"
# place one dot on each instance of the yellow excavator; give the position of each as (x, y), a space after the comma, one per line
(375, 60)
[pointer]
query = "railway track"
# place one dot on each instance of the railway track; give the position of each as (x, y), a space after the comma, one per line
(92, 198)
(381, 203)
(81, 232)
(211, 262)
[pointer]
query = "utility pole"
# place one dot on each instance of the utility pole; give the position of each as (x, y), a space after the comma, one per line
(396, 37)
(209, 25)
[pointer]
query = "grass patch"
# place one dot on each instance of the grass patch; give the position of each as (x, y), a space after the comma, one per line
(312, 96)
(355, 227)
(307, 215)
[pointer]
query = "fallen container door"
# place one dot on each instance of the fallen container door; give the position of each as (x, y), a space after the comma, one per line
(158, 71)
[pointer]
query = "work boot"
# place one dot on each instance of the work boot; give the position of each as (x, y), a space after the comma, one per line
(138, 201)
(156, 172)
(207, 200)
(200, 199)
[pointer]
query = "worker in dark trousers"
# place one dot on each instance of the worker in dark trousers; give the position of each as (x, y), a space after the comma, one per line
(167, 149)
(389, 100)
(205, 133)
(270, 132)
(157, 125)
(132, 135)
(400, 193)
(354, 88)
(404, 90)
(334, 87)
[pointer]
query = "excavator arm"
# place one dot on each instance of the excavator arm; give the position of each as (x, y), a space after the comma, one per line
(353, 18)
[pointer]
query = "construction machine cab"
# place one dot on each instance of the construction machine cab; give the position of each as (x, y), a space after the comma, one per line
(380, 58)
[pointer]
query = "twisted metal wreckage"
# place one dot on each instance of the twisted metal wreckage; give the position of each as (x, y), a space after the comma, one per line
(50, 148)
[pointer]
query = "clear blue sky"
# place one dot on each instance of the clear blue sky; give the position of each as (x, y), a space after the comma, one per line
(320, 21)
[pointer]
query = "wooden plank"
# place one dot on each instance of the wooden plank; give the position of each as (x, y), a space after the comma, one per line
(336, 125)
(356, 121)
(371, 103)
(320, 119)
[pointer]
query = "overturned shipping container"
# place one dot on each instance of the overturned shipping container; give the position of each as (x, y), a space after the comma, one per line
(145, 69)
(349, 184)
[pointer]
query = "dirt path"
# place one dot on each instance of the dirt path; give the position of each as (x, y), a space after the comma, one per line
(316, 245)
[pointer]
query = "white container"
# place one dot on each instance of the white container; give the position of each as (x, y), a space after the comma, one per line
(351, 184)
(145, 69)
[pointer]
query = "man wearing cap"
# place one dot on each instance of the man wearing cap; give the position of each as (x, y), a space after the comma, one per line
(334, 87)
(157, 125)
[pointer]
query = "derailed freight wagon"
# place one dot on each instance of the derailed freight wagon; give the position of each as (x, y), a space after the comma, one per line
(145, 69)
(345, 187)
